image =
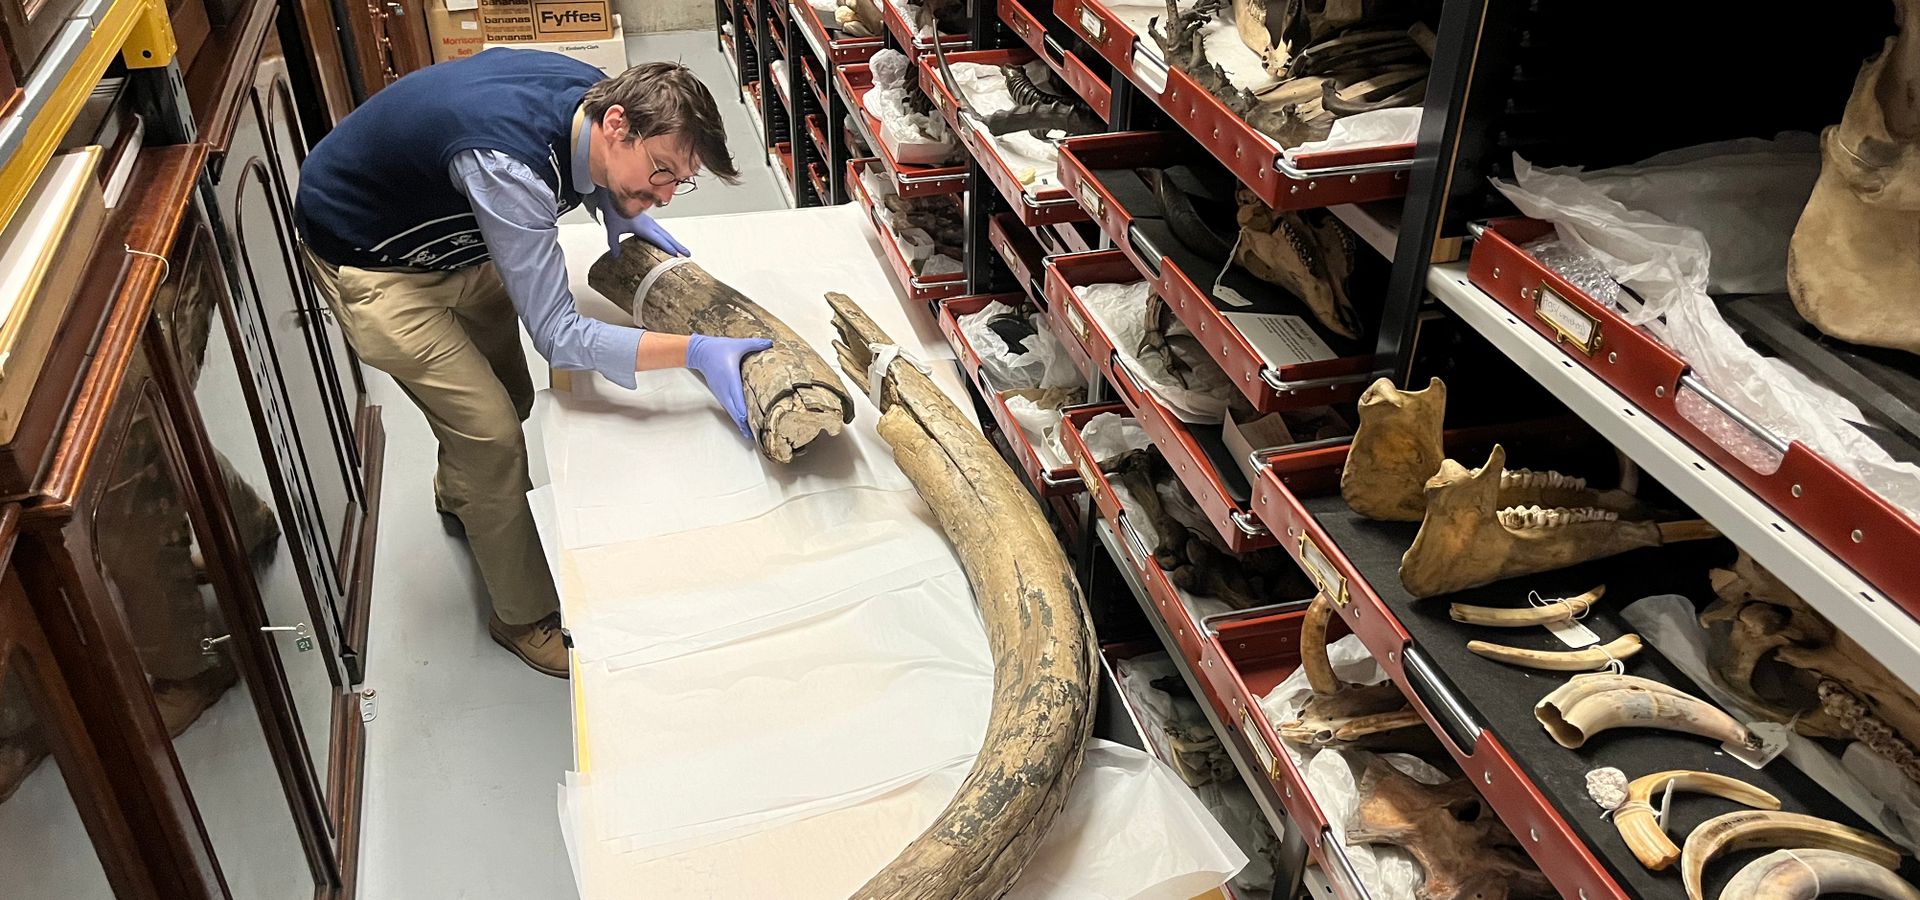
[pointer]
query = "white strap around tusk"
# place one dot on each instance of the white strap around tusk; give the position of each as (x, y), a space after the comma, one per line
(1575, 611)
(646, 283)
(883, 356)
(1616, 666)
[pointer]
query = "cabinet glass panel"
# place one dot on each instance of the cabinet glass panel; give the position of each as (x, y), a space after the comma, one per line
(44, 847)
(151, 562)
(205, 346)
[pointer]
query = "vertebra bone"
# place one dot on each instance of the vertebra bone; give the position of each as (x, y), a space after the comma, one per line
(1587, 660)
(1590, 704)
(1806, 873)
(1641, 830)
(1753, 828)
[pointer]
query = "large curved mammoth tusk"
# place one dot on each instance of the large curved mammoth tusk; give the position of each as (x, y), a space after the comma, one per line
(1641, 830)
(1590, 704)
(1044, 663)
(1313, 646)
(1589, 660)
(1807, 873)
(1747, 829)
(1559, 611)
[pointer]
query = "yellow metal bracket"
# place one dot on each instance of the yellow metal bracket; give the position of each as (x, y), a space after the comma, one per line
(149, 43)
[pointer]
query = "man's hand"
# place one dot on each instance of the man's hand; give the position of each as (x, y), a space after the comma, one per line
(717, 359)
(641, 226)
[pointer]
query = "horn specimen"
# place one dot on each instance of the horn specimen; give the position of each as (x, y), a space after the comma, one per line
(793, 396)
(1044, 667)
(1641, 830)
(1588, 660)
(1747, 829)
(1340, 713)
(1804, 874)
(1523, 617)
(1590, 704)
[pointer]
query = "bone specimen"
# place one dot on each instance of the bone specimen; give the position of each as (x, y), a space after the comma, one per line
(1851, 265)
(1177, 348)
(1045, 669)
(1463, 849)
(1190, 550)
(860, 18)
(1590, 704)
(1641, 830)
(1748, 829)
(1588, 660)
(1527, 616)
(1466, 539)
(1805, 873)
(792, 395)
(1308, 254)
(1340, 713)
(1400, 445)
(1790, 664)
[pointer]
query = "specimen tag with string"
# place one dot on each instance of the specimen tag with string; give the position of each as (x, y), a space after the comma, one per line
(1568, 630)
(1770, 740)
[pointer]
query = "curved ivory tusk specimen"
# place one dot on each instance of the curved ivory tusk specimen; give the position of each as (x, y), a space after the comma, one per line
(1748, 829)
(1589, 660)
(1313, 647)
(1642, 831)
(1045, 665)
(1590, 704)
(1803, 874)
(1495, 617)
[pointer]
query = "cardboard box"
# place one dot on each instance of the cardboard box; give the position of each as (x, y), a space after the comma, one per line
(547, 21)
(454, 26)
(1258, 433)
(608, 54)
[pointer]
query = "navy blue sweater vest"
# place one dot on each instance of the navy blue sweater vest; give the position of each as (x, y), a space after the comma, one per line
(375, 192)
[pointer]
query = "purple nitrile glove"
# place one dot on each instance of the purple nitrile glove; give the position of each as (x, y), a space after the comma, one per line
(717, 359)
(641, 226)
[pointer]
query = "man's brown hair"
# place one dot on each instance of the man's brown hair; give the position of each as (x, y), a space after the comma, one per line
(663, 98)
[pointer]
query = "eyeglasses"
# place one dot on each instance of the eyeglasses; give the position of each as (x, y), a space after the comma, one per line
(663, 176)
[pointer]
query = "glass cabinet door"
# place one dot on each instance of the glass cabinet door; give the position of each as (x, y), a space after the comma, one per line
(158, 578)
(192, 311)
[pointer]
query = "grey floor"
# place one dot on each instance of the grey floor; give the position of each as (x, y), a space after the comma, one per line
(464, 759)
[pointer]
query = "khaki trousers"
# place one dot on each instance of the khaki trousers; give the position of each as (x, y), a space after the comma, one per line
(452, 341)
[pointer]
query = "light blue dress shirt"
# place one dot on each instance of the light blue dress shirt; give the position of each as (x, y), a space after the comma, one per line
(519, 220)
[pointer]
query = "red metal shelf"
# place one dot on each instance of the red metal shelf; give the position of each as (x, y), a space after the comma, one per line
(1021, 252)
(829, 50)
(1075, 74)
(1269, 389)
(1047, 481)
(816, 135)
(1044, 207)
(1205, 479)
(938, 287)
(819, 180)
(913, 46)
(1309, 181)
(1842, 515)
(911, 181)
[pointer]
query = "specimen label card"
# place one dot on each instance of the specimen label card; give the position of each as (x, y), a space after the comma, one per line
(1280, 340)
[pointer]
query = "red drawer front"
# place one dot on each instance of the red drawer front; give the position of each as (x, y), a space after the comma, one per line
(1047, 481)
(1084, 82)
(1318, 180)
(819, 179)
(1043, 208)
(1138, 556)
(842, 50)
(1022, 253)
(818, 136)
(923, 289)
(1333, 381)
(909, 180)
(903, 33)
(1852, 522)
(1075, 326)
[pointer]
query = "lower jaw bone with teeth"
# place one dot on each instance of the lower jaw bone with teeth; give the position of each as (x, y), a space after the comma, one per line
(1750, 829)
(1804, 874)
(1590, 704)
(1467, 540)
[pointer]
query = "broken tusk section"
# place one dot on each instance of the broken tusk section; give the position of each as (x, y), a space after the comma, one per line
(1559, 609)
(1806, 873)
(1749, 829)
(1591, 659)
(1641, 829)
(1590, 704)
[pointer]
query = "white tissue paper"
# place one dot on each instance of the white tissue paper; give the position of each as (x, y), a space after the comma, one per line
(1121, 310)
(1036, 162)
(1389, 873)
(1109, 435)
(1043, 362)
(1379, 128)
(1671, 267)
(1867, 784)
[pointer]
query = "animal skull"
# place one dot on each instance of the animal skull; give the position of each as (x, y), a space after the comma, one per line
(1308, 254)
(1789, 663)
(1463, 849)
(1340, 713)
(1467, 539)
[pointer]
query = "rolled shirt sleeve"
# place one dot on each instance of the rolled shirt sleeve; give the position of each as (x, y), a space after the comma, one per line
(515, 210)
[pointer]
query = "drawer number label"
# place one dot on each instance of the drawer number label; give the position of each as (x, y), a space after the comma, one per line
(1321, 569)
(1566, 320)
(1268, 764)
(1090, 24)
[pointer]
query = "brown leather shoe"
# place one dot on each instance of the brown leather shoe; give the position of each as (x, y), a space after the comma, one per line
(539, 645)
